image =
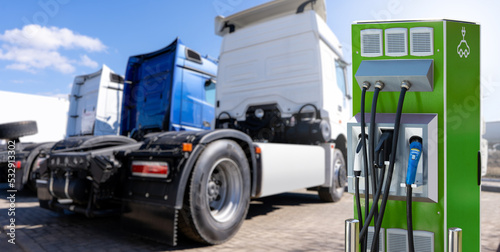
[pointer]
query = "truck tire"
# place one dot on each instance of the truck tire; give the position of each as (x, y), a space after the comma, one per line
(16, 130)
(218, 195)
(335, 192)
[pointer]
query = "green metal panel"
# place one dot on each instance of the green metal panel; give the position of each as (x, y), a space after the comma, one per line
(458, 101)
(463, 137)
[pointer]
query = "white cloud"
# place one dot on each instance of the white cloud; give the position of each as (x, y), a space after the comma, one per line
(41, 51)
(86, 61)
(51, 38)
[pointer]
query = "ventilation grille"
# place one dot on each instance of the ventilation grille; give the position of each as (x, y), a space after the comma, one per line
(193, 56)
(421, 42)
(381, 244)
(421, 39)
(423, 241)
(396, 42)
(116, 78)
(371, 43)
(397, 240)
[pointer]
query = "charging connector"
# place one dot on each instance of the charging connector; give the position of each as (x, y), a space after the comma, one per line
(413, 159)
(415, 153)
(358, 157)
(383, 149)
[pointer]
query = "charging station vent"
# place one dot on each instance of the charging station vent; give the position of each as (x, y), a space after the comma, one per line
(421, 41)
(371, 42)
(396, 42)
(397, 240)
(381, 244)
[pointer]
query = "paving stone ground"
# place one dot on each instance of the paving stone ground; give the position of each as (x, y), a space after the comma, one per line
(296, 221)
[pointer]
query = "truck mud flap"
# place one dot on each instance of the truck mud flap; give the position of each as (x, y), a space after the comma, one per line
(43, 193)
(151, 221)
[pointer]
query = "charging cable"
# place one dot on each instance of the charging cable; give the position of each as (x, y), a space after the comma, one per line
(405, 86)
(366, 86)
(357, 174)
(415, 153)
(379, 85)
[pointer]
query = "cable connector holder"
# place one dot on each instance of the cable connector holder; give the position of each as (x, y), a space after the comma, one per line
(379, 84)
(406, 84)
(366, 84)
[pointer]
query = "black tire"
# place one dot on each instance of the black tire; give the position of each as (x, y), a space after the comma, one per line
(16, 130)
(335, 192)
(218, 195)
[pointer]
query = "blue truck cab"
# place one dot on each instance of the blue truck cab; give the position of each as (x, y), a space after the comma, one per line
(172, 89)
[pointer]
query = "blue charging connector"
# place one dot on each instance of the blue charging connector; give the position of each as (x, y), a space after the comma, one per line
(415, 153)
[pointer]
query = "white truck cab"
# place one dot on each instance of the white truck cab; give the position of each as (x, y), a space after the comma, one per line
(283, 63)
(95, 104)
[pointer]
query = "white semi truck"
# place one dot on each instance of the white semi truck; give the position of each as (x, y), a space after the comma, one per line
(95, 104)
(281, 112)
(94, 109)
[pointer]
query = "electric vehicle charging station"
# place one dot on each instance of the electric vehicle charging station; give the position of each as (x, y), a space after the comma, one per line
(426, 141)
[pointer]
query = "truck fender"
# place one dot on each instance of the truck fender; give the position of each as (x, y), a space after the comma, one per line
(28, 163)
(241, 138)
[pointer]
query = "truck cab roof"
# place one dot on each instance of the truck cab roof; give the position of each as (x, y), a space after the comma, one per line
(270, 10)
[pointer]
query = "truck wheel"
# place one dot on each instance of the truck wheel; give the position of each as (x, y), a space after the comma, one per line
(334, 193)
(217, 199)
(17, 129)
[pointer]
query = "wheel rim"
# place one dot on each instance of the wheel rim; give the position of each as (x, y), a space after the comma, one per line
(224, 190)
(341, 173)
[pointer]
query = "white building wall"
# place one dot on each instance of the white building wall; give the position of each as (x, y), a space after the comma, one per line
(50, 113)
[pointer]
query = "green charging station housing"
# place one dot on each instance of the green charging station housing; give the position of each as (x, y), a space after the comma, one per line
(453, 48)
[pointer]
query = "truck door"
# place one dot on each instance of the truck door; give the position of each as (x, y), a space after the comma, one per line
(153, 95)
(108, 123)
(342, 97)
(209, 107)
(86, 106)
(198, 98)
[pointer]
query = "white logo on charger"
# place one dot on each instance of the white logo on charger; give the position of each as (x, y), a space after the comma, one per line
(463, 48)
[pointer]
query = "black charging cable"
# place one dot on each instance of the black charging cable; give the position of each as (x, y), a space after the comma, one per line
(366, 86)
(405, 85)
(379, 85)
(409, 218)
(414, 157)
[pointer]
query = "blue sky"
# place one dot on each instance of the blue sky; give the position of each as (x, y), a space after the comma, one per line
(45, 43)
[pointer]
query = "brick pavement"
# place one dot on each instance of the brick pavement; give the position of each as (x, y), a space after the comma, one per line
(295, 221)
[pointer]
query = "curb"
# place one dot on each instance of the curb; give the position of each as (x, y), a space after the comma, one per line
(490, 185)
